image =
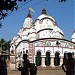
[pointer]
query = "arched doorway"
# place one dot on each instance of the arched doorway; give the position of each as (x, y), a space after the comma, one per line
(56, 59)
(38, 58)
(47, 59)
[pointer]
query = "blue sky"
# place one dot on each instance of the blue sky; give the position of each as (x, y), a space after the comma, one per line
(63, 13)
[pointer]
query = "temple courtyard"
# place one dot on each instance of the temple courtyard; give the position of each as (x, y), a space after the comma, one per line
(41, 72)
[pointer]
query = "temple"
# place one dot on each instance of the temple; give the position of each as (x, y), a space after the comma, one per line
(42, 40)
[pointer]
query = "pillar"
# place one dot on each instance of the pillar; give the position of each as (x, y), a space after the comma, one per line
(61, 60)
(12, 62)
(43, 62)
(52, 61)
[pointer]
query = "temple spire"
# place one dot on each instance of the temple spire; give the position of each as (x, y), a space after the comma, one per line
(44, 11)
(29, 15)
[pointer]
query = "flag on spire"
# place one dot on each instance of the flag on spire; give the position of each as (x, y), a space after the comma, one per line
(30, 8)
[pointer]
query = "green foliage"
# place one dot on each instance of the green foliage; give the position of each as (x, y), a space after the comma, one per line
(5, 45)
(62, 0)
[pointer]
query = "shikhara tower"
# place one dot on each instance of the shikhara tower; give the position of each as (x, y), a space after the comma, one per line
(42, 40)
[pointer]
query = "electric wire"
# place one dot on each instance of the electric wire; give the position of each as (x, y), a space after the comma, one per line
(23, 8)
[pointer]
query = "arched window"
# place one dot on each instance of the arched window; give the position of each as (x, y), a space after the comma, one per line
(56, 59)
(26, 51)
(38, 58)
(47, 59)
(23, 52)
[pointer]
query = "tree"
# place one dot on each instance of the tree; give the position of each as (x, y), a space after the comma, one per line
(4, 46)
(8, 5)
(62, 0)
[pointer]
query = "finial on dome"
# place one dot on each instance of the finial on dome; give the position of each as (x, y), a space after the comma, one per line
(44, 11)
(29, 15)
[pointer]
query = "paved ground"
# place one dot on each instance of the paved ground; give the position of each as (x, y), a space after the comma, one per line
(40, 72)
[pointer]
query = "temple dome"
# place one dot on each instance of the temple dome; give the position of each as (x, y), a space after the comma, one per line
(57, 29)
(28, 21)
(57, 32)
(44, 15)
(47, 22)
(44, 21)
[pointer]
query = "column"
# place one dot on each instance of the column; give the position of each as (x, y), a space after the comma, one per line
(43, 62)
(34, 59)
(12, 62)
(52, 61)
(61, 60)
(31, 52)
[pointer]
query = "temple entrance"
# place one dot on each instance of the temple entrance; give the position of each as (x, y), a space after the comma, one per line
(56, 59)
(47, 59)
(38, 58)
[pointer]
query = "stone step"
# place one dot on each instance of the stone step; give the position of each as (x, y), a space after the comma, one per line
(49, 68)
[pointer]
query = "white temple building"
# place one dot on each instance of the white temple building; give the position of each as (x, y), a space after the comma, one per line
(42, 40)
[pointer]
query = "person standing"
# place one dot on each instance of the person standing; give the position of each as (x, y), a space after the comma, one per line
(3, 66)
(26, 64)
(68, 65)
(33, 69)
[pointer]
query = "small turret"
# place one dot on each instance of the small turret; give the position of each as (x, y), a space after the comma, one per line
(29, 15)
(28, 21)
(44, 11)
